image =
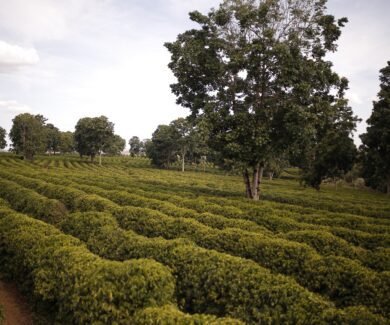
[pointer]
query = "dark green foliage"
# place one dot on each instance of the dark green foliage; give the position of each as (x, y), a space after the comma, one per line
(162, 148)
(92, 135)
(28, 135)
(84, 288)
(67, 144)
(53, 135)
(136, 146)
(3, 141)
(334, 157)
(114, 146)
(376, 142)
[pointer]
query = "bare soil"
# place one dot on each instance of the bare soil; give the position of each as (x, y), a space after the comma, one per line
(15, 306)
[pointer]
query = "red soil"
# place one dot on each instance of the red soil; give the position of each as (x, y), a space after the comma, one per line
(15, 307)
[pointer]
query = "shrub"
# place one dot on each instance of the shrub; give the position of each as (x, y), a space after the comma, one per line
(171, 315)
(82, 287)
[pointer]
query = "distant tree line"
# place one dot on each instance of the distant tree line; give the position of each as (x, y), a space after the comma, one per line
(31, 135)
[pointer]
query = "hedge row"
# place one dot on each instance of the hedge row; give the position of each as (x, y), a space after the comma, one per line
(327, 244)
(72, 198)
(322, 241)
(282, 256)
(80, 286)
(229, 208)
(220, 284)
(25, 200)
(212, 220)
(343, 280)
(265, 217)
(310, 215)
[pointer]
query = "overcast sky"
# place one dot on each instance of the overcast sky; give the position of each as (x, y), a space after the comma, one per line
(76, 58)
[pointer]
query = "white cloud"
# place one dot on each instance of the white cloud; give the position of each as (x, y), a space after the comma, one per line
(13, 107)
(14, 56)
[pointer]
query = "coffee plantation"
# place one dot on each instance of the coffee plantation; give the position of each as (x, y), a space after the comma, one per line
(124, 243)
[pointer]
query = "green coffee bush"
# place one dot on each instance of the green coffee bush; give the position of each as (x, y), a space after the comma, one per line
(220, 284)
(25, 200)
(171, 315)
(282, 256)
(80, 286)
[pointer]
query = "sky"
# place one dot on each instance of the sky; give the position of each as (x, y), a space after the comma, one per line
(76, 58)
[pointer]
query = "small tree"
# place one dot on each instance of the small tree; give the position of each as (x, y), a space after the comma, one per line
(332, 152)
(3, 141)
(183, 137)
(135, 146)
(28, 135)
(92, 135)
(53, 138)
(162, 148)
(67, 144)
(376, 141)
(114, 146)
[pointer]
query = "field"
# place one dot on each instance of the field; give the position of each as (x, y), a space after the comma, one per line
(126, 243)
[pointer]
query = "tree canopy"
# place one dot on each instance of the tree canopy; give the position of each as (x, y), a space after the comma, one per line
(67, 144)
(92, 134)
(256, 72)
(3, 141)
(376, 141)
(53, 138)
(136, 146)
(28, 135)
(114, 146)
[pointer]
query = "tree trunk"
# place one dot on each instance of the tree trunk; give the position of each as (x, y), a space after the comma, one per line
(247, 184)
(100, 158)
(182, 162)
(271, 175)
(253, 188)
(255, 183)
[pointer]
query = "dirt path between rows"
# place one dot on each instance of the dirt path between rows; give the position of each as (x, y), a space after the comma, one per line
(15, 307)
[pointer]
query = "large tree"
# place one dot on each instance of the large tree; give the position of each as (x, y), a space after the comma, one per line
(92, 134)
(28, 135)
(256, 70)
(376, 141)
(3, 141)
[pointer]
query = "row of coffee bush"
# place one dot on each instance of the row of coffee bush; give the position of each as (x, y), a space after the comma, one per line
(266, 216)
(81, 287)
(71, 198)
(324, 242)
(343, 280)
(220, 284)
(289, 263)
